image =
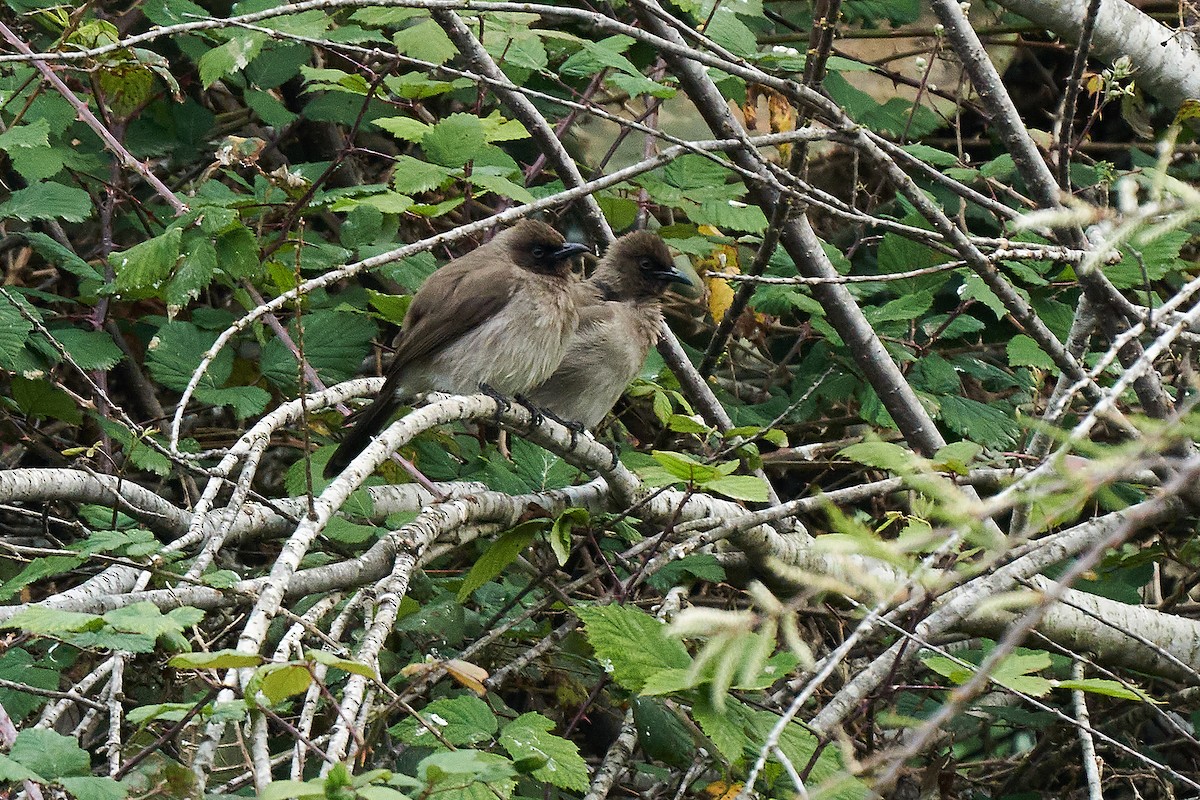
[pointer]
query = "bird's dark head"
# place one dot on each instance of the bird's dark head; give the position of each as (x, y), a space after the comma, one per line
(638, 266)
(537, 247)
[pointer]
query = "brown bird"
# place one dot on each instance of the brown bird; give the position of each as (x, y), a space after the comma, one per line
(619, 321)
(498, 317)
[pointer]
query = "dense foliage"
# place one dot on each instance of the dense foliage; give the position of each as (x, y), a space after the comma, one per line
(942, 368)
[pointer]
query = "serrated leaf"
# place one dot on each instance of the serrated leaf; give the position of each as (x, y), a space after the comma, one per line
(986, 424)
(60, 256)
(94, 787)
(230, 57)
(49, 754)
(90, 349)
(684, 467)
(246, 401)
(1023, 351)
(48, 200)
(195, 273)
(407, 128)
(40, 399)
(335, 343)
(881, 455)
(411, 175)
(529, 735)
(148, 264)
(750, 488)
(455, 140)
(501, 186)
(40, 620)
(237, 253)
(175, 352)
(35, 570)
(631, 644)
(464, 720)
(144, 618)
(427, 41)
(218, 659)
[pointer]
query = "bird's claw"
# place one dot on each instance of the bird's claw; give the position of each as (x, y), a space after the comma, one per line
(574, 426)
(614, 450)
(502, 403)
(538, 416)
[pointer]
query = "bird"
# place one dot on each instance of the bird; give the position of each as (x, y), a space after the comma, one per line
(497, 318)
(619, 320)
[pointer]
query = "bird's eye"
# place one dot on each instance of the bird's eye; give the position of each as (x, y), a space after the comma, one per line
(539, 252)
(646, 264)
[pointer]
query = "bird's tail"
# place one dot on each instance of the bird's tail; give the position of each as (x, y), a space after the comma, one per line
(372, 421)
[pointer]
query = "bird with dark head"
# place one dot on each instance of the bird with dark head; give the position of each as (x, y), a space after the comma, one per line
(619, 321)
(499, 316)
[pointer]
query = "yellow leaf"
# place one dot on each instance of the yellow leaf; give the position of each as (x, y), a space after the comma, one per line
(722, 790)
(724, 259)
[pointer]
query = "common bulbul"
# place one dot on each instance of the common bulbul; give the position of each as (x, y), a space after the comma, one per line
(619, 321)
(497, 318)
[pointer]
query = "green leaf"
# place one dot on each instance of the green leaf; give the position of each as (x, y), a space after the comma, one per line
(1156, 257)
(42, 621)
(89, 787)
(406, 128)
(1023, 351)
(48, 200)
(49, 753)
(218, 659)
(194, 274)
(30, 134)
(18, 666)
(246, 401)
(57, 255)
(278, 682)
(426, 41)
(90, 349)
(35, 570)
(722, 729)
(685, 467)
(175, 352)
(412, 175)
(698, 566)
(503, 551)
(740, 487)
(344, 664)
(1105, 687)
(455, 140)
(237, 253)
(501, 186)
(286, 790)
(986, 424)
(631, 644)
(233, 56)
(335, 343)
(463, 720)
(343, 530)
(13, 772)
(529, 736)
(732, 214)
(881, 455)
(560, 533)
(143, 618)
(661, 734)
(40, 399)
(147, 265)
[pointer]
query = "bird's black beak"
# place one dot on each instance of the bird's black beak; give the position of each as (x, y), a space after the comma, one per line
(569, 249)
(671, 275)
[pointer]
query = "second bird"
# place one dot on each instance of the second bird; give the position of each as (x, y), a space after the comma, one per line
(619, 321)
(501, 315)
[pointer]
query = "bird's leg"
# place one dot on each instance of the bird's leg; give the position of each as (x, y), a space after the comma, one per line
(502, 403)
(574, 426)
(615, 449)
(538, 416)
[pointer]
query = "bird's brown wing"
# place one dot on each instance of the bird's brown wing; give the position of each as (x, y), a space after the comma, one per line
(449, 307)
